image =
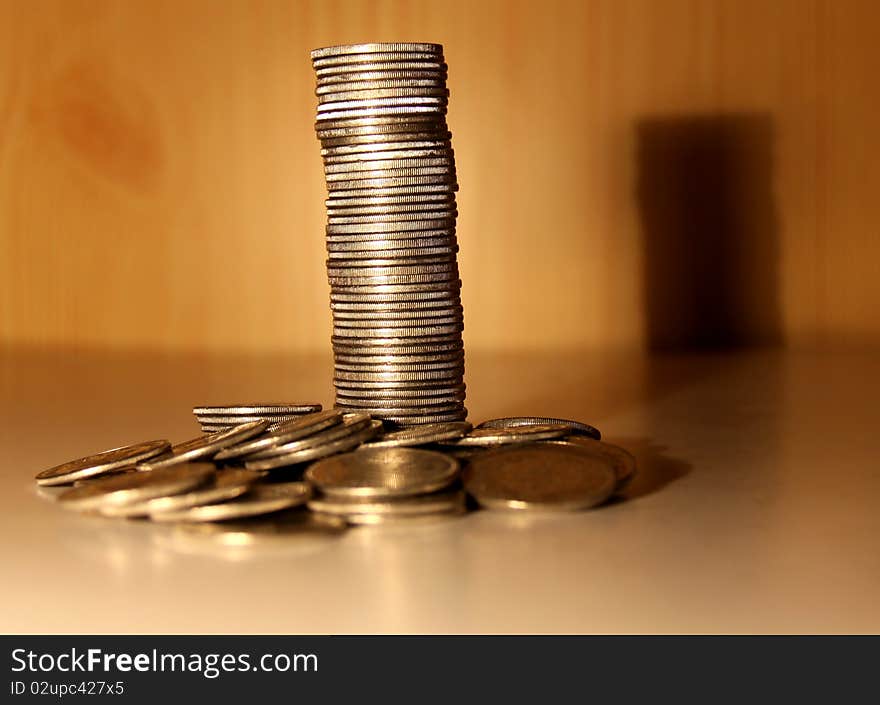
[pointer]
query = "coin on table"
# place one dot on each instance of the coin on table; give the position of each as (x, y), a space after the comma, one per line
(316, 452)
(261, 499)
(256, 409)
(301, 427)
(102, 463)
(539, 476)
(225, 485)
(621, 460)
(575, 427)
(420, 435)
(419, 505)
(130, 488)
(207, 446)
(517, 434)
(383, 472)
(352, 422)
(285, 526)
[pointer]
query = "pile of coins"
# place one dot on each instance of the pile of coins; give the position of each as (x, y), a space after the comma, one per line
(391, 237)
(342, 468)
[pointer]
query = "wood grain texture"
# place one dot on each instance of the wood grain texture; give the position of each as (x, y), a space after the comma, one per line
(161, 185)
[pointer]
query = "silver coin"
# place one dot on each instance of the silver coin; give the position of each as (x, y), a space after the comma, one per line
(376, 47)
(382, 178)
(401, 254)
(423, 187)
(317, 452)
(236, 420)
(225, 485)
(418, 405)
(369, 57)
(424, 314)
(352, 86)
(368, 140)
(378, 266)
(384, 346)
(398, 294)
(402, 238)
(132, 487)
(256, 409)
(375, 93)
(398, 200)
(207, 446)
(381, 127)
(383, 472)
(436, 156)
(289, 431)
(382, 168)
(517, 434)
(404, 421)
(101, 463)
(422, 215)
(357, 76)
(351, 283)
(429, 357)
(396, 306)
(419, 505)
(421, 435)
(427, 393)
(425, 331)
(259, 500)
(413, 64)
(326, 116)
(539, 477)
(621, 461)
(575, 427)
(390, 147)
(370, 106)
(352, 423)
(385, 323)
(419, 411)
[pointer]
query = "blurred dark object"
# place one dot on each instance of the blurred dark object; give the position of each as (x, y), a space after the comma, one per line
(709, 229)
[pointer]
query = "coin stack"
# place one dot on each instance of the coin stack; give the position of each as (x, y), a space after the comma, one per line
(221, 418)
(391, 239)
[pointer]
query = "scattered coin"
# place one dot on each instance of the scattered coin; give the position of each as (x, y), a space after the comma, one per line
(207, 446)
(289, 431)
(256, 409)
(261, 499)
(576, 427)
(421, 435)
(383, 472)
(130, 488)
(316, 452)
(539, 477)
(225, 485)
(102, 463)
(516, 434)
(622, 461)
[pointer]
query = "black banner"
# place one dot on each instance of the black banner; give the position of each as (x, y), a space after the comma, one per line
(418, 668)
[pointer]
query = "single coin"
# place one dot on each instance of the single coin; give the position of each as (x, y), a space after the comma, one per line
(260, 499)
(386, 323)
(390, 147)
(417, 375)
(453, 301)
(420, 435)
(382, 127)
(404, 421)
(326, 116)
(369, 57)
(383, 472)
(444, 215)
(398, 238)
(381, 168)
(575, 427)
(376, 47)
(403, 255)
(426, 186)
(428, 358)
(397, 294)
(380, 266)
(256, 409)
(345, 395)
(539, 477)
(381, 77)
(352, 423)
(101, 463)
(129, 488)
(207, 446)
(373, 93)
(397, 368)
(388, 332)
(419, 505)
(432, 85)
(237, 420)
(289, 431)
(400, 201)
(622, 461)
(517, 434)
(369, 183)
(414, 63)
(397, 384)
(317, 452)
(225, 485)
(422, 405)
(410, 412)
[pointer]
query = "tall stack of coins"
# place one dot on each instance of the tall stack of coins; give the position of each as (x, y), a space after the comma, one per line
(391, 241)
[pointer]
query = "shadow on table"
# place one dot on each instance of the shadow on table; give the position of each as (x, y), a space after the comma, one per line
(654, 469)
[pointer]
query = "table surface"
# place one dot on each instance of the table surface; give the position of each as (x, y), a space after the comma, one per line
(755, 508)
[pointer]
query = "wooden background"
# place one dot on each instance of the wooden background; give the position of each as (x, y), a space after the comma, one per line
(633, 172)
